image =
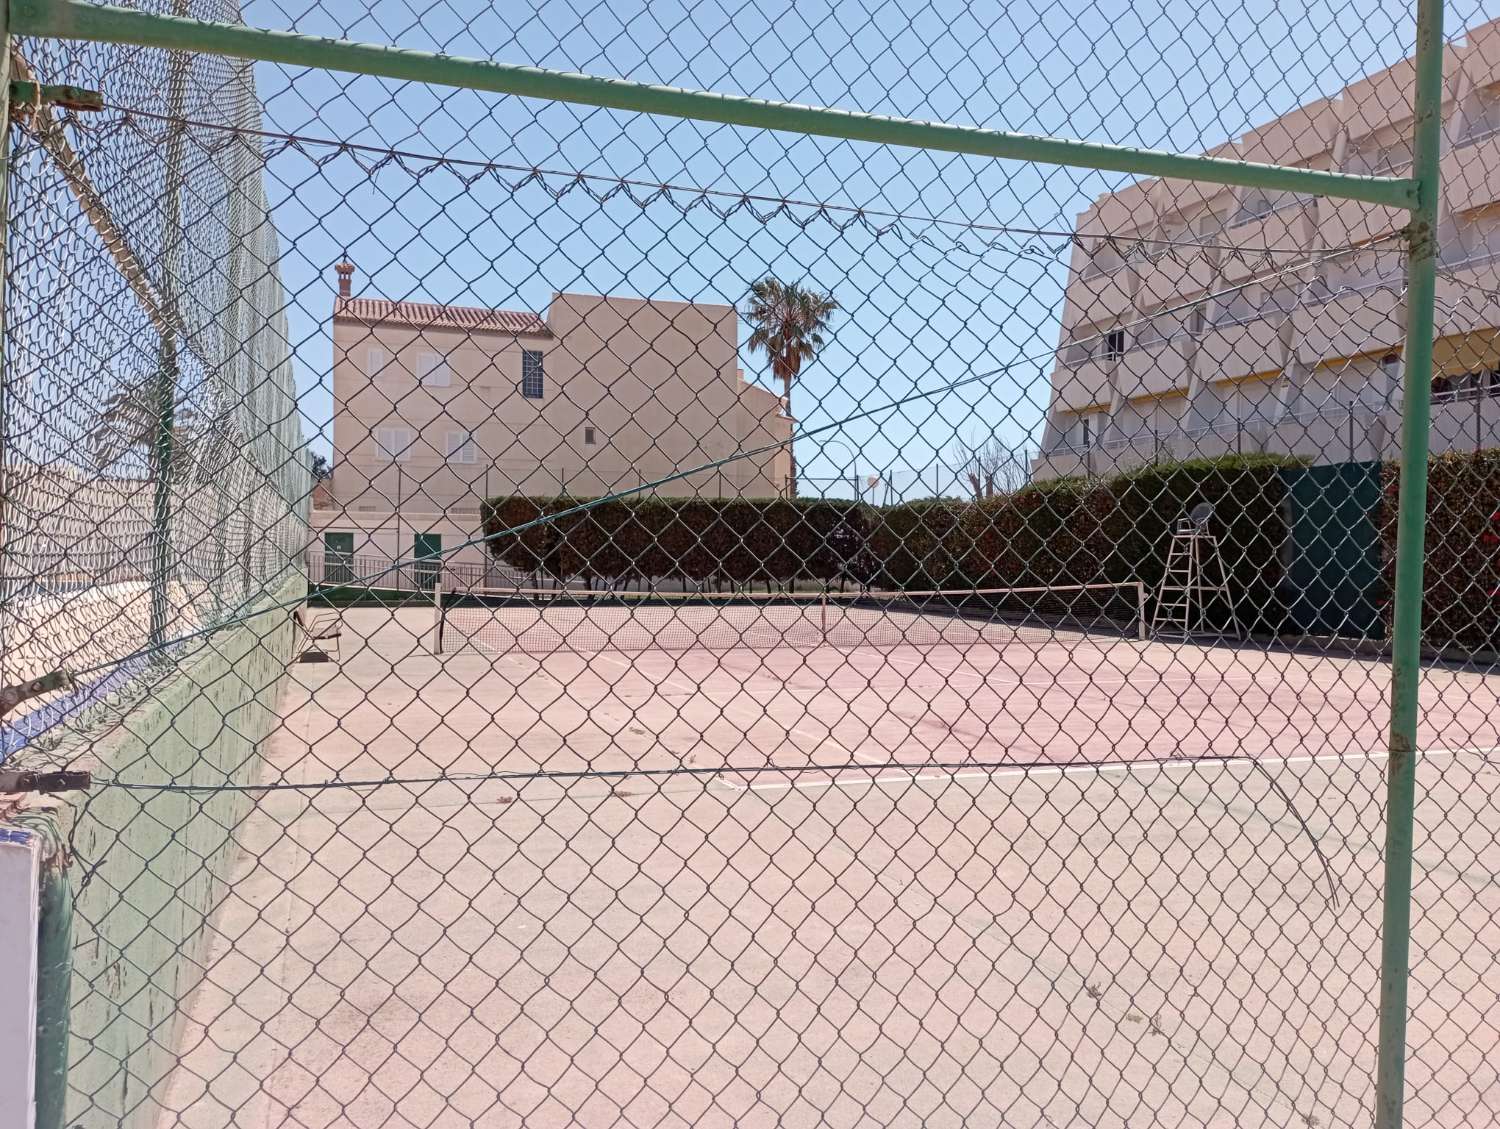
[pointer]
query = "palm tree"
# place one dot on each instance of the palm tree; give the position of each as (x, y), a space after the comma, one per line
(789, 321)
(128, 426)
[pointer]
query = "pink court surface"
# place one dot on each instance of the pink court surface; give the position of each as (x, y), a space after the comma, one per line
(1091, 881)
(769, 715)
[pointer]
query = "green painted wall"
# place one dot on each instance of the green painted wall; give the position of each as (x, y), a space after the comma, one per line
(148, 868)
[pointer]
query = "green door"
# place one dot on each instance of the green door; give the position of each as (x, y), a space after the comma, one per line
(426, 551)
(338, 558)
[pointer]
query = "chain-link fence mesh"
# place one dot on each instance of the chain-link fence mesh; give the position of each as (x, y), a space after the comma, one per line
(589, 618)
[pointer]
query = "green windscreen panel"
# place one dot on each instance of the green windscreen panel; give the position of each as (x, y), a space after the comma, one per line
(1332, 582)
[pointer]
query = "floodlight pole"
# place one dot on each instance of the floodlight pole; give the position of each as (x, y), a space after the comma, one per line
(1411, 522)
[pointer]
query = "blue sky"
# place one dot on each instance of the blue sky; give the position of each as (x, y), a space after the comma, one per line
(924, 304)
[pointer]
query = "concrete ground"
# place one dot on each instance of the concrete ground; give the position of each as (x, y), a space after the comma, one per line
(897, 885)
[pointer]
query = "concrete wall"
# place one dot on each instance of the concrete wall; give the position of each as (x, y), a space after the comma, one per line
(1346, 306)
(655, 382)
(148, 868)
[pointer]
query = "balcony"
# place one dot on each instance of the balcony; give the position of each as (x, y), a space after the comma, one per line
(1470, 424)
(1350, 324)
(1080, 386)
(1468, 173)
(1468, 295)
(1343, 222)
(1153, 370)
(1287, 225)
(1099, 298)
(1173, 275)
(1241, 348)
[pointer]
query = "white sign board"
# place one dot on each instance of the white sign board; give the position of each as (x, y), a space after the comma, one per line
(19, 906)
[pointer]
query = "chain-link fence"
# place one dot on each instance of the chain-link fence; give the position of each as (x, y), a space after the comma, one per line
(585, 603)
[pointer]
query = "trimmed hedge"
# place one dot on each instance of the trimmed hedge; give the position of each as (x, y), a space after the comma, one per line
(1068, 531)
(919, 545)
(1462, 569)
(732, 541)
(1081, 531)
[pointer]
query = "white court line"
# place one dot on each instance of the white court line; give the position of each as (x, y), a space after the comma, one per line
(984, 679)
(1102, 769)
(792, 730)
(912, 777)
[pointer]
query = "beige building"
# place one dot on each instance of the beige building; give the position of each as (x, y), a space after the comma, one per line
(1281, 330)
(438, 407)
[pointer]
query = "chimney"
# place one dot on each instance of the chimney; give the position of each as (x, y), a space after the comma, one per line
(346, 276)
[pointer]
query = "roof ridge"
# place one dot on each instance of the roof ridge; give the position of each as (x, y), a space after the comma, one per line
(437, 314)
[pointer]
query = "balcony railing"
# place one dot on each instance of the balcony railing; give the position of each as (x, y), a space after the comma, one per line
(1258, 314)
(1392, 285)
(408, 575)
(1470, 259)
(1384, 168)
(1096, 270)
(1244, 219)
(1482, 134)
(1483, 386)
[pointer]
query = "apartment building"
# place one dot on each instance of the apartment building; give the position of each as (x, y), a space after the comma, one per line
(1200, 321)
(438, 407)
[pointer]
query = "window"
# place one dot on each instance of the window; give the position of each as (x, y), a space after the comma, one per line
(1379, 160)
(1082, 432)
(433, 370)
(532, 378)
(1104, 257)
(1114, 344)
(1161, 328)
(1284, 297)
(1465, 386)
(393, 444)
(376, 358)
(1484, 119)
(458, 447)
(1077, 352)
(588, 436)
(1257, 205)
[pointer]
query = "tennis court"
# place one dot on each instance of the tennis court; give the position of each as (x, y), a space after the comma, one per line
(887, 870)
(1027, 384)
(749, 687)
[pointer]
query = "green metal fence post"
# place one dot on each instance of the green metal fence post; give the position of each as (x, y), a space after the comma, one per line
(1411, 527)
(164, 387)
(54, 993)
(52, 823)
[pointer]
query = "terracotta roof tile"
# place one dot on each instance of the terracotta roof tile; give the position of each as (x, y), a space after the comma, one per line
(430, 315)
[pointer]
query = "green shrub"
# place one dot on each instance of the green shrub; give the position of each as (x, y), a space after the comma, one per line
(738, 541)
(1462, 554)
(1067, 531)
(918, 545)
(1087, 531)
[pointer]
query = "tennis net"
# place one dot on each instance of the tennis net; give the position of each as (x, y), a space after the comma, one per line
(532, 621)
